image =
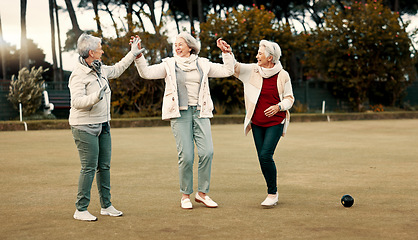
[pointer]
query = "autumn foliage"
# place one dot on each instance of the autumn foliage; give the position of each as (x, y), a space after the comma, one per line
(364, 51)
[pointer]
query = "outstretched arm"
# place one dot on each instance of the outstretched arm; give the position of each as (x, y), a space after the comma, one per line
(241, 71)
(156, 71)
(227, 68)
(117, 69)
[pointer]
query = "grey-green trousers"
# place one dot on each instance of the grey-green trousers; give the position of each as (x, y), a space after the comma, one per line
(188, 130)
(95, 153)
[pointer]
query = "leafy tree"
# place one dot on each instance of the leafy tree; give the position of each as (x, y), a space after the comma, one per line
(364, 52)
(243, 29)
(27, 89)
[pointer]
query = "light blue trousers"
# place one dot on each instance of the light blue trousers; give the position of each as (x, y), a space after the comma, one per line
(95, 153)
(188, 130)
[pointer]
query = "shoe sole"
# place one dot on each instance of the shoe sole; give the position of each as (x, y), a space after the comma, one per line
(85, 219)
(112, 215)
(269, 206)
(186, 208)
(199, 201)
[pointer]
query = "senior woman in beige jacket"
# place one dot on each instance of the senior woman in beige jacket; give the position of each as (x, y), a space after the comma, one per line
(89, 120)
(268, 97)
(188, 106)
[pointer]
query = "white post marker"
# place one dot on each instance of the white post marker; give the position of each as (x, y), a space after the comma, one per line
(20, 111)
(323, 111)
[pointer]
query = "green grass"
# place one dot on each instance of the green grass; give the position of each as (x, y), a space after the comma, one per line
(318, 162)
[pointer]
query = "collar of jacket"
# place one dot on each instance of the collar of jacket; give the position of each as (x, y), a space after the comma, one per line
(85, 69)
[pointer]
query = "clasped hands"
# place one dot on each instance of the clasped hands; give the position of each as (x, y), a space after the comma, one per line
(136, 48)
(224, 46)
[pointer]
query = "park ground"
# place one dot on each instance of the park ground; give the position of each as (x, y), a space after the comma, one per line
(375, 161)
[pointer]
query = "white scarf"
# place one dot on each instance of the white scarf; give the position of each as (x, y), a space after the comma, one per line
(186, 64)
(268, 72)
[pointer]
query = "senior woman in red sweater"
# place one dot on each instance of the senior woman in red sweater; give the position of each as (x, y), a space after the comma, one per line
(268, 97)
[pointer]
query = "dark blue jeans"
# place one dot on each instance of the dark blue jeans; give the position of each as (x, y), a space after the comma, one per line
(266, 139)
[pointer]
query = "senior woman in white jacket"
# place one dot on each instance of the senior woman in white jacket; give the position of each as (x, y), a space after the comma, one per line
(268, 97)
(89, 120)
(188, 106)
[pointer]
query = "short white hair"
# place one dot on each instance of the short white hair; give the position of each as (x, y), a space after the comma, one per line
(85, 43)
(191, 42)
(272, 49)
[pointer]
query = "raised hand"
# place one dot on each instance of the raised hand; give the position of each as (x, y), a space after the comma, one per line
(224, 46)
(135, 43)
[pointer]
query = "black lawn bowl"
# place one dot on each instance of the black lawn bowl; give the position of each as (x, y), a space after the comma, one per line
(347, 201)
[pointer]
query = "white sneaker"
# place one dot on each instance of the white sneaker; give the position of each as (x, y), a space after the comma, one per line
(186, 203)
(111, 211)
(270, 201)
(84, 216)
(207, 201)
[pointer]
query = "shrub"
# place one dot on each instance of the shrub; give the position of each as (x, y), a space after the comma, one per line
(27, 89)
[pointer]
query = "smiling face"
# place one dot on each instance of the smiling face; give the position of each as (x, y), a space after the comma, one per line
(181, 48)
(263, 60)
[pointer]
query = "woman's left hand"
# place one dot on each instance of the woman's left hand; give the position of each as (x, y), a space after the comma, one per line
(272, 110)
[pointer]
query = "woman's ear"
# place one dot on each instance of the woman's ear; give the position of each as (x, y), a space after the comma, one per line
(91, 53)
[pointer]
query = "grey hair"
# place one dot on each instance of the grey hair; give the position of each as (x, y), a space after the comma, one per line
(272, 49)
(85, 43)
(191, 42)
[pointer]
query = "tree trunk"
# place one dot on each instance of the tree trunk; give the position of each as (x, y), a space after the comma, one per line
(396, 6)
(190, 8)
(2, 52)
(54, 54)
(138, 14)
(24, 59)
(113, 20)
(129, 11)
(151, 6)
(162, 10)
(60, 69)
(76, 28)
(200, 11)
(97, 18)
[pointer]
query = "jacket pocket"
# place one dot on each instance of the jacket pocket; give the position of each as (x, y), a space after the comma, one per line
(170, 101)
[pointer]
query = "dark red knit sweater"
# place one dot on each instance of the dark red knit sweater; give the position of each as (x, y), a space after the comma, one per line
(269, 96)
